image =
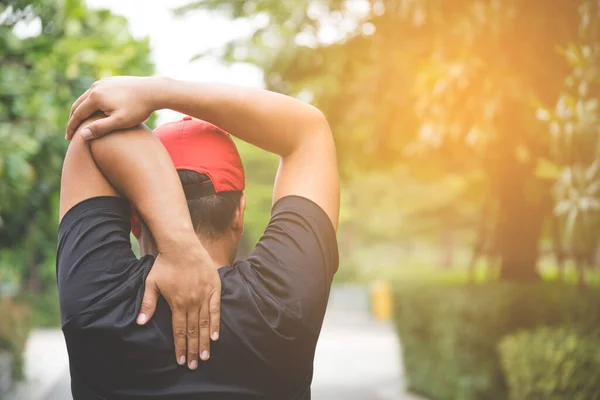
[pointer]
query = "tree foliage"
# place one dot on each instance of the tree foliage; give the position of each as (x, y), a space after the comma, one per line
(574, 133)
(447, 89)
(41, 74)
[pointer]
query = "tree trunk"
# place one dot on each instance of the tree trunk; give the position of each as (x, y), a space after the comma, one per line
(581, 261)
(447, 248)
(491, 268)
(561, 269)
(557, 247)
(518, 237)
(521, 209)
(522, 198)
(472, 270)
(482, 240)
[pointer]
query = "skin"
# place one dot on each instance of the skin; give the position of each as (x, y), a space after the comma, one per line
(297, 132)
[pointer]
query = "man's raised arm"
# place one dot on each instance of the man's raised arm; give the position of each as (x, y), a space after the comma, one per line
(297, 132)
(134, 162)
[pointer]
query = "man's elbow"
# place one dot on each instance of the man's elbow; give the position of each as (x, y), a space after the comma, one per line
(323, 130)
(93, 118)
(319, 121)
(319, 132)
(78, 144)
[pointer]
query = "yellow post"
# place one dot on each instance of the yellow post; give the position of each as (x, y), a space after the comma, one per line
(381, 300)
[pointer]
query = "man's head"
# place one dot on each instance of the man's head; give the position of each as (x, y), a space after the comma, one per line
(212, 176)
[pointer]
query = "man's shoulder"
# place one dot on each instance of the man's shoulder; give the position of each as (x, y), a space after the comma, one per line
(285, 282)
(304, 207)
(299, 239)
(298, 223)
(95, 264)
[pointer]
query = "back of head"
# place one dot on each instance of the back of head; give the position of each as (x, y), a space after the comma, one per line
(211, 214)
(211, 172)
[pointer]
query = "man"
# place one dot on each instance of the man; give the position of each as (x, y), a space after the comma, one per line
(272, 304)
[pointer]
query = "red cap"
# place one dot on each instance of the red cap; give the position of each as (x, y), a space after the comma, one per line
(202, 147)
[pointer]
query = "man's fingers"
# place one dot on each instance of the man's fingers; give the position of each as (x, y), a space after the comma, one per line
(100, 127)
(78, 101)
(179, 334)
(83, 111)
(204, 332)
(192, 338)
(148, 303)
(215, 315)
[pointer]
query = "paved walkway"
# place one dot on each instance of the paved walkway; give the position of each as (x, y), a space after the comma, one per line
(46, 363)
(357, 358)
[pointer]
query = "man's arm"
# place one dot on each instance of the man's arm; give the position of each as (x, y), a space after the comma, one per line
(87, 167)
(297, 132)
(135, 163)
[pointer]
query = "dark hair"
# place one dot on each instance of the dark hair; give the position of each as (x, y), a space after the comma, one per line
(212, 214)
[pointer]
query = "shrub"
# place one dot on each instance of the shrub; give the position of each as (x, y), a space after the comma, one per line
(14, 329)
(550, 364)
(450, 332)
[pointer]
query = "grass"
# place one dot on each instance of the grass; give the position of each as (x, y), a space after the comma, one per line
(425, 269)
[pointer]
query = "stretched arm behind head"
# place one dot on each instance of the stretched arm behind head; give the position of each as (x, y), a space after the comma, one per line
(297, 132)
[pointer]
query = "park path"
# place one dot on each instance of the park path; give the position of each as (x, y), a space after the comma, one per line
(357, 358)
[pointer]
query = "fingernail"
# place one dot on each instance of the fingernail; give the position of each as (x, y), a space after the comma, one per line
(204, 355)
(193, 364)
(86, 133)
(181, 360)
(141, 318)
(215, 335)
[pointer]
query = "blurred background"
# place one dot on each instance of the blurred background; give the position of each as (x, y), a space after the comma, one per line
(468, 137)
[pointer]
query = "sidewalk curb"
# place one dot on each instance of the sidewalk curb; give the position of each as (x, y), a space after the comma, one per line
(46, 362)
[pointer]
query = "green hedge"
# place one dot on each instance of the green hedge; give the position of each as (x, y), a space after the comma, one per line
(450, 332)
(552, 364)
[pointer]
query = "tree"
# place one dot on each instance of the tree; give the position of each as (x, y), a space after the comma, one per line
(448, 88)
(41, 75)
(574, 132)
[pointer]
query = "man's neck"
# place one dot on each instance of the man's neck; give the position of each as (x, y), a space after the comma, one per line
(216, 250)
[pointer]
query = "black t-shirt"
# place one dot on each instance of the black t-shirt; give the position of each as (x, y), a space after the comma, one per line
(272, 309)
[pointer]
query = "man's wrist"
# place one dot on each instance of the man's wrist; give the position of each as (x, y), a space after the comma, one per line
(181, 96)
(159, 92)
(174, 235)
(175, 244)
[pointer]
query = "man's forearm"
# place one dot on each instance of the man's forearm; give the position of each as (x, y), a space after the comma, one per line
(271, 121)
(138, 166)
(297, 132)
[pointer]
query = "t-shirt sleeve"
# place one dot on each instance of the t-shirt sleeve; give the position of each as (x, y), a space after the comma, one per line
(96, 269)
(296, 259)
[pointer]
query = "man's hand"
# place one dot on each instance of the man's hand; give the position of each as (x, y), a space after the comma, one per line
(125, 100)
(189, 282)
